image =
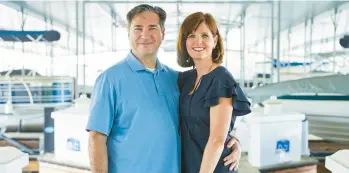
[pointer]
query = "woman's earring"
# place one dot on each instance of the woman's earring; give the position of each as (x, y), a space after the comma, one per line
(187, 60)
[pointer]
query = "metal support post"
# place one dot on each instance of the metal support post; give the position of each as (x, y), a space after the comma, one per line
(272, 43)
(311, 42)
(288, 48)
(77, 89)
(226, 50)
(51, 52)
(278, 42)
(22, 27)
(305, 46)
(84, 45)
(335, 24)
(243, 51)
(113, 25)
(265, 60)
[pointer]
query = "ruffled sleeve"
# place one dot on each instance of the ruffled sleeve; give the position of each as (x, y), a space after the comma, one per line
(225, 86)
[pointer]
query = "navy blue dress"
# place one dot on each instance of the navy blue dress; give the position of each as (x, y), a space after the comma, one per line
(195, 113)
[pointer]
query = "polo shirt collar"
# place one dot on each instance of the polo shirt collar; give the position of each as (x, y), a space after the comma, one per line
(136, 65)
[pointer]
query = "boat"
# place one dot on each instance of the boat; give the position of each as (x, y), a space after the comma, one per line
(23, 98)
(323, 99)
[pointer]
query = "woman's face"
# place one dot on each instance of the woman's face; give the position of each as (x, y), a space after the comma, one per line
(200, 43)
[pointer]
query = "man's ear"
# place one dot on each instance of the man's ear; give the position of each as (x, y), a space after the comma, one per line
(163, 33)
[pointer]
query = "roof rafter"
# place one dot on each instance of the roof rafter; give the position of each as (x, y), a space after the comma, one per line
(38, 14)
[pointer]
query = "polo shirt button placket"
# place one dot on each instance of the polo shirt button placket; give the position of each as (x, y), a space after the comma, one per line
(157, 83)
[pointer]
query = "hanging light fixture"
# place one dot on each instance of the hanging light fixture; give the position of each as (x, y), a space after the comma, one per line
(344, 42)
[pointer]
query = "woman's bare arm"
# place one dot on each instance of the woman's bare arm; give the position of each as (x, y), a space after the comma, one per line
(220, 117)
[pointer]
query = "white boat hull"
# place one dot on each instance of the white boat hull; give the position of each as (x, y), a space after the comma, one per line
(317, 107)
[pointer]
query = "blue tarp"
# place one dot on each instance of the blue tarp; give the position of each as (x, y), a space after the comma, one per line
(293, 63)
(29, 36)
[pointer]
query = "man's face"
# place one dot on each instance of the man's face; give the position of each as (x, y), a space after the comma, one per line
(145, 34)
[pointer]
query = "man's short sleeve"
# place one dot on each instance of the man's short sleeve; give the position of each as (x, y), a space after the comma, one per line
(103, 105)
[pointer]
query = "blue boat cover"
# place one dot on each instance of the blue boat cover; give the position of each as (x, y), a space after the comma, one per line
(29, 36)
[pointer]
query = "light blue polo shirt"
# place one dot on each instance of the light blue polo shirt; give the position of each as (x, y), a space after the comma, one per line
(138, 110)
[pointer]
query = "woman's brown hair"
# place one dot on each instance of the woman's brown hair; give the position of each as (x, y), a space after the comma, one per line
(190, 24)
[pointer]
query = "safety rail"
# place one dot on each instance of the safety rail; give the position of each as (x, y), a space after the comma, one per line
(36, 90)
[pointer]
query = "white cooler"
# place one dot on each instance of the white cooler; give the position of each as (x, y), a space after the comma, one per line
(71, 138)
(274, 138)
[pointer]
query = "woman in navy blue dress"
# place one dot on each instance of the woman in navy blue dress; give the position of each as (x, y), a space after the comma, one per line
(210, 99)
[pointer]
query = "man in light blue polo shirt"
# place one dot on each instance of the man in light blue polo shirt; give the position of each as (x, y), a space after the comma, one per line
(133, 123)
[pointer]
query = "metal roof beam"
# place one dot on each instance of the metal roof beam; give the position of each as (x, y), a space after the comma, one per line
(117, 19)
(313, 14)
(37, 14)
(318, 41)
(221, 24)
(182, 2)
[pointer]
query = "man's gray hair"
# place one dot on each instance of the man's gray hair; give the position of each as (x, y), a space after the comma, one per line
(147, 8)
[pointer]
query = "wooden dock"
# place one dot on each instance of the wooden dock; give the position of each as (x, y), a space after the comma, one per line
(319, 150)
(30, 140)
(48, 163)
(33, 166)
(305, 165)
